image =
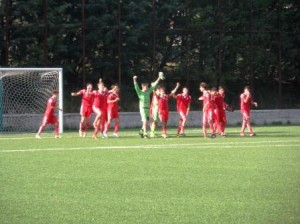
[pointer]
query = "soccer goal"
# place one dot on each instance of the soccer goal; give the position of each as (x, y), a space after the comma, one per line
(23, 97)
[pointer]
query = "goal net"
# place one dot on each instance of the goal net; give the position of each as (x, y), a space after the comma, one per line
(23, 97)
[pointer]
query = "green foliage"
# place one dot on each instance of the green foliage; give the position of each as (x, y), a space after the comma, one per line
(191, 41)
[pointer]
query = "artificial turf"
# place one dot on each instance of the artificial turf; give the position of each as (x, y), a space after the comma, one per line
(132, 180)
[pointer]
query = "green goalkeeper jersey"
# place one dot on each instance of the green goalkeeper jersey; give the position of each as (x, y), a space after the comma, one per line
(144, 97)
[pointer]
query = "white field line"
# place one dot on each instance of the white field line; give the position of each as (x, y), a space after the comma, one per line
(49, 136)
(65, 136)
(167, 146)
(33, 137)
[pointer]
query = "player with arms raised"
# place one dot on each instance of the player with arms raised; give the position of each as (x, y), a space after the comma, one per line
(49, 116)
(144, 101)
(246, 103)
(85, 109)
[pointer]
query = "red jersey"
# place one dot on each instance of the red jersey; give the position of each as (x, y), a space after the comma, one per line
(219, 101)
(112, 106)
(183, 102)
(103, 100)
(207, 101)
(246, 103)
(87, 99)
(51, 103)
(97, 99)
(163, 102)
(224, 104)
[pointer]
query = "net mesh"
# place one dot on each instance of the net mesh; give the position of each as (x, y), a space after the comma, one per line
(23, 98)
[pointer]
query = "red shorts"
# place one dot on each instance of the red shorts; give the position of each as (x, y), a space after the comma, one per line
(245, 114)
(103, 114)
(220, 116)
(207, 117)
(85, 111)
(164, 116)
(113, 114)
(49, 119)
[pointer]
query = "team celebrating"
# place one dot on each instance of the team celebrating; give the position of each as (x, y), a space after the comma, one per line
(104, 104)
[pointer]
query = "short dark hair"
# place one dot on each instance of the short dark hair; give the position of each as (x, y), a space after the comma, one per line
(247, 87)
(55, 92)
(203, 85)
(214, 89)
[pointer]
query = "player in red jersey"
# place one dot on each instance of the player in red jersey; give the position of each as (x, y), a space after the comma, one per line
(219, 110)
(163, 108)
(222, 116)
(49, 116)
(86, 108)
(207, 110)
(97, 108)
(103, 108)
(213, 94)
(112, 111)
(183, 106)
(246, 102)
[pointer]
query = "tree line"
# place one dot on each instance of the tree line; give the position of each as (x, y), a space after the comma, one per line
(231, 43)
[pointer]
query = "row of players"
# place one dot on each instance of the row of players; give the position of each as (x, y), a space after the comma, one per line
(104, 103)
(213, 108)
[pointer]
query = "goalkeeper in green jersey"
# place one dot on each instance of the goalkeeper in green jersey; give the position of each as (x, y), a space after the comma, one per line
(144, 101)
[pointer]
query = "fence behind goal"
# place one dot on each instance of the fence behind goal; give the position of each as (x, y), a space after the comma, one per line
(23, 97)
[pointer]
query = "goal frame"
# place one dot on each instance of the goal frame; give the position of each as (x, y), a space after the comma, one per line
(60, 86)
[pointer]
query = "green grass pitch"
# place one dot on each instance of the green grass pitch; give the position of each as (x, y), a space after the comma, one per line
(132, 180)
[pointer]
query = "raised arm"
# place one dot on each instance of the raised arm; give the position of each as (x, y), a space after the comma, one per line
(156, 81)
(154, 84)
(175, 89)
(136, 86)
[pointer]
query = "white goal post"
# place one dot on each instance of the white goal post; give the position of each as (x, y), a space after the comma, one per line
(23, 97)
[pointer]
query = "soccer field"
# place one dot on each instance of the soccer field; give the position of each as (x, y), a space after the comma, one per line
(132, 180)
